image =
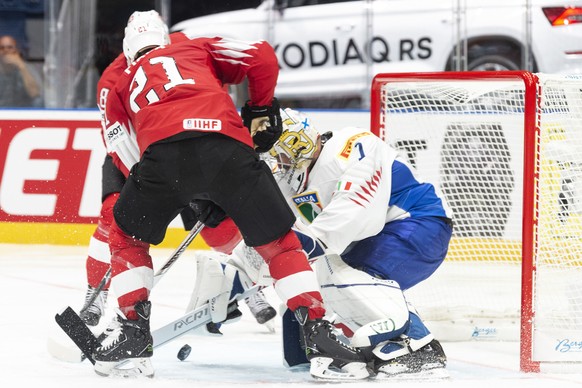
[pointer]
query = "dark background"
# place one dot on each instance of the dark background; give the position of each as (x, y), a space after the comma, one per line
(113, 14)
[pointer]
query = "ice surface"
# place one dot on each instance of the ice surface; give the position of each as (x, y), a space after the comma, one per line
(36, 282)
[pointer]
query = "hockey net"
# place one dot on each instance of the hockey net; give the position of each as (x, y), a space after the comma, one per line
(505, 150)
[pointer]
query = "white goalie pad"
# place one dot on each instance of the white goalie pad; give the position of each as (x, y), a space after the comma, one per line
(248, 260)
(217, 283)
(363, 303)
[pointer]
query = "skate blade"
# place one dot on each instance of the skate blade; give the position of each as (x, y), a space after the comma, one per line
(136, 367)
(423, 375)
(321, 368)
(270, 325)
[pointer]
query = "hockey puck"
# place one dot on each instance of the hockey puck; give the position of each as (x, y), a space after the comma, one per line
(184, 352)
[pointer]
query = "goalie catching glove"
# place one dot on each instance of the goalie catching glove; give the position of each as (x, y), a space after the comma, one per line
(264, 122)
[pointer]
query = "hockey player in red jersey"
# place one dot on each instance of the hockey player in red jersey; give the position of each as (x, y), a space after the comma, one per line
(193, 146)
(98, 255)
(98, 259)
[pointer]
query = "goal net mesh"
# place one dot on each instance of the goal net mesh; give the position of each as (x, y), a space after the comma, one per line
(467, 137)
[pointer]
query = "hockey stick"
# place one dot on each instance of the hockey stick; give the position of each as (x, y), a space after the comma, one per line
(177, 253)
(184, 351)
(96, 291)
(62, 352)
(86, 341)
(193, 320)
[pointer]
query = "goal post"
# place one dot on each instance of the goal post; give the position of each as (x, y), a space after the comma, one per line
(505, 150)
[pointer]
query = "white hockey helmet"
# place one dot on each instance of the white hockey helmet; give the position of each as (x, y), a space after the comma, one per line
(294, 151)
(144, 29)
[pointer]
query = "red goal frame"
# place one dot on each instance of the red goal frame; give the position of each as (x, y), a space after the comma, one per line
(531, 133)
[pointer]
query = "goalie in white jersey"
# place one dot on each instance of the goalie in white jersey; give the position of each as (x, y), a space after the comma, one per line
(377, 228)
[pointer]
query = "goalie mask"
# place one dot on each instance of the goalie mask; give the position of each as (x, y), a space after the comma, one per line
(144, 29)
(294, 152)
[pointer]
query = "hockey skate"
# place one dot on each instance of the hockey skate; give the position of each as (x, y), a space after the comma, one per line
(93, 313)
(329, 358)
(261, 309)
(428, 362)
(126, 346)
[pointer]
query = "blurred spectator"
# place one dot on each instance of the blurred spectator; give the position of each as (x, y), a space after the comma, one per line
(10, 84)
(21, 81)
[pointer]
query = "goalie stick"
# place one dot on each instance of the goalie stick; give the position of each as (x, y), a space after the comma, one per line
(77, 333)
(86, 341)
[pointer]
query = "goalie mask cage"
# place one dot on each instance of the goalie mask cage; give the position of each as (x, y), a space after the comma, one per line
(505, 150)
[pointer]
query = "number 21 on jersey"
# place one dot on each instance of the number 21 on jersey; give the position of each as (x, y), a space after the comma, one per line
(140, 81)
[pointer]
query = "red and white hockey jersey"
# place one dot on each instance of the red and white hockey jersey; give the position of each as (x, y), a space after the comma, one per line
(105, 85)
(180, 87)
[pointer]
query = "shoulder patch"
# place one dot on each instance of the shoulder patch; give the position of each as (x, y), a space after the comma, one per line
(308, 205)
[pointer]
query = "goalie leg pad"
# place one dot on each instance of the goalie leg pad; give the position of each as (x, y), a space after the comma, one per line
(217, 283)
(374, 309)
(208, 281)
(248, 260)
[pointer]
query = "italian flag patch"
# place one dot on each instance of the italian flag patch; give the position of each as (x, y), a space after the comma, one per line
(344, 186)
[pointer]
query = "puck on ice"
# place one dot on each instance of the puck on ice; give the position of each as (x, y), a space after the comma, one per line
(184, 352)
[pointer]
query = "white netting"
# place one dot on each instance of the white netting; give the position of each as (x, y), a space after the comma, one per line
(558, 291)
(467, 137)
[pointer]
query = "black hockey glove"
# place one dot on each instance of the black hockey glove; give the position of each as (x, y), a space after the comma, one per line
(269, 116)
(208, 212)
(189, 218)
